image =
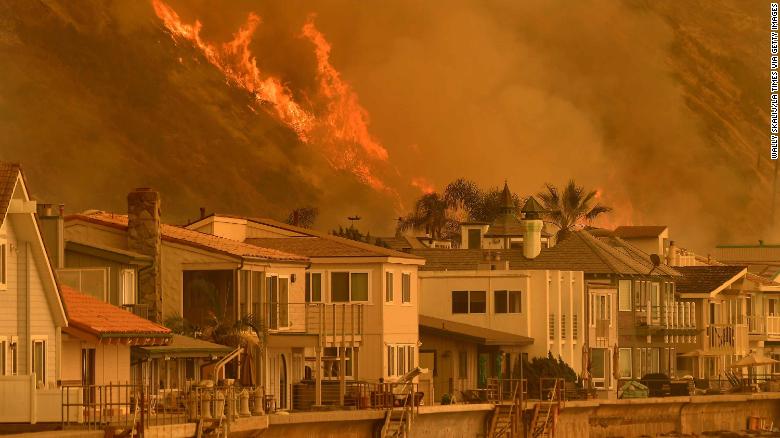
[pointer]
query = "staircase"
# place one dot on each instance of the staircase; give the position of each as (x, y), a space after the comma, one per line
(505, 422)
(398, 421)
(545, 414)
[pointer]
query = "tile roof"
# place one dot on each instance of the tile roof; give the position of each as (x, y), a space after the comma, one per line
(580, 251)
(102, 319)
(705, 279)
(481, 335)
(631, 231)
(318, 244)
(756, 278)
(9, 172)
(186, 236)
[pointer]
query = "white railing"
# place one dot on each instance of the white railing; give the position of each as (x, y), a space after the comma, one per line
(669, 315)
(764, 325)
(326, 319)
(730, 338)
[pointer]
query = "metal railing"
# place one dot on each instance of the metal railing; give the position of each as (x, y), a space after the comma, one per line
(137, 407)
(141, 310)
(499, 390)
(357, 395)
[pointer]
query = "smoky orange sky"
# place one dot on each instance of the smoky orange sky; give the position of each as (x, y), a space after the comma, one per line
(660, 105)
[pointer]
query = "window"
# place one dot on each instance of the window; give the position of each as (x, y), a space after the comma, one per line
(388, 287)
(600, 309)
(506, 301)
(243, 292)
(333, 361)
(14, 356)
(3, 264)
(477, 301)
(463, 365)
(598, 367)
(39, 360)
(624, 362)
(574, 327)
(410, 357)
(406, 288)
(3, 358)
(313, 287)
(277, 290)
(475, 239)
(348, 286)
(91, 281)
(624, 295)
(257, 289)
(390, 361)
(460, 301)
(128, 286)
(401, 360)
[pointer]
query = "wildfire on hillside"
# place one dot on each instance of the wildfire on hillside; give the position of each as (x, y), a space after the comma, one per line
(338, 124)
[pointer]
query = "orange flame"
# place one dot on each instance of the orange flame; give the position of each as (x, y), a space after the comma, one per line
(342, 128)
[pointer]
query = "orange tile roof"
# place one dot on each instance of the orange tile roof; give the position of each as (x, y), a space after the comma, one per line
(186, 236)
(102, 319)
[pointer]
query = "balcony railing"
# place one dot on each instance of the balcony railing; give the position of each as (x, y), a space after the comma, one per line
(732, 338)
(326, 319)
(674, 315)
(141, 310)
(764, 325)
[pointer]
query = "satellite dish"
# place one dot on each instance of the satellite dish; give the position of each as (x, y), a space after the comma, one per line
(656, 260)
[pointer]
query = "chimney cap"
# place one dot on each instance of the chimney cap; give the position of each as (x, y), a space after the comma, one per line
(532, 208)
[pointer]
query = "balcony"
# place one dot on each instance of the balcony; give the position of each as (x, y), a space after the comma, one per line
(763, 326)
(669, 316)
(334, 322)
(727, 338)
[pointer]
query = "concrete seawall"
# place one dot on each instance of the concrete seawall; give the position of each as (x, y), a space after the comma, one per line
(652, 416)
(432, 422)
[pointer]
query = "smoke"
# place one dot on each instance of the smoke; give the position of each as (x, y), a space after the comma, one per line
(659, 105)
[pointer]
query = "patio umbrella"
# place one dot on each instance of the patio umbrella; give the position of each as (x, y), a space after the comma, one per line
(754, 360)
(247, 376)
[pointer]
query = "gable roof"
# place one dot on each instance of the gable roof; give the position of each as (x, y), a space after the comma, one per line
(314, 243)
(172, 233)
(9, 174)
(707, 279)
(636, 231)
(580, 251)
(104, 320)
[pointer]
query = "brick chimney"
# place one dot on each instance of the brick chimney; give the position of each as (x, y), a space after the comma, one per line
(143, 236)
(532, 228)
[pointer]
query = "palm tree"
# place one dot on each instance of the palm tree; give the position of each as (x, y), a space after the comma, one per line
(479, 205)
(571, 207)
(303, 217)
(431, 213)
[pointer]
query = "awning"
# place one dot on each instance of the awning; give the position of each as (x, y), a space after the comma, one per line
(480, 335)
(183, 346)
